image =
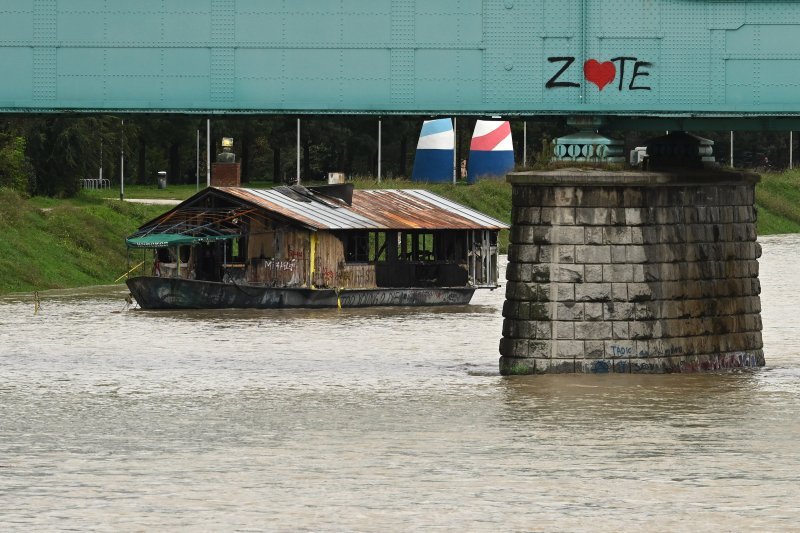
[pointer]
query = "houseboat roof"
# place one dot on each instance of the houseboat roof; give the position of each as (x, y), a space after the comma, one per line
(376, 209)
(201, 218)
(336, 207)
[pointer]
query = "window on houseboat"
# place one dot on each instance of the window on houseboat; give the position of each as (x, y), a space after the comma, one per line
(425, 247)
(378, 245)
(357, 247)
(416, 246)
(164, 255)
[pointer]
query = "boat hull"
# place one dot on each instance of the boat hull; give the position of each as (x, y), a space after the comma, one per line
(175, 293)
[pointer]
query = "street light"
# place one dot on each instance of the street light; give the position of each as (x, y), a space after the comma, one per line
(122, 162)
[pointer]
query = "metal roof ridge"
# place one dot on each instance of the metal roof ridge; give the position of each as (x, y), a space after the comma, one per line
(372, 209)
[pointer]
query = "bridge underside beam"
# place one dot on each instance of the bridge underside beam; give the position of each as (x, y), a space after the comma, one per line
(748, 122)
(654, 58)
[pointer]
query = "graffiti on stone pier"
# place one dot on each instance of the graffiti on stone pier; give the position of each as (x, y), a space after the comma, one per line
(720, 362)
(657, 351)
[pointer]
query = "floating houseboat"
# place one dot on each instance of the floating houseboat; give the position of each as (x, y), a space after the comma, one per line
(326, 246)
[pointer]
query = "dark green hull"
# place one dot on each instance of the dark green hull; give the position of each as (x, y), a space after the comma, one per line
(175, 293)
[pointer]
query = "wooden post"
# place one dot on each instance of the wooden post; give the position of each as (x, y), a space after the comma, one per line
(391, 246)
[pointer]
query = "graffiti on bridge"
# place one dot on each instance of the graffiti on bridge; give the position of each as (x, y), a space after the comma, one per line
(603, 73)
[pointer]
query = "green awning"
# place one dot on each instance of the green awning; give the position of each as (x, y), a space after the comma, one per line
(164, 240)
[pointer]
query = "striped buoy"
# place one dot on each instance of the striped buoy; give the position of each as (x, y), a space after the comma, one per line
(433, 161)
(492, 151)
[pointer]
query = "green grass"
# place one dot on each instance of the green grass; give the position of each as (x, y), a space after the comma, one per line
(48, 244)
(172, 192)
(778, 202)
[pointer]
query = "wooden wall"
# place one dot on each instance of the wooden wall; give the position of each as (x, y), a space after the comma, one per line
(280, 255)
(330, 270)
(277, 254)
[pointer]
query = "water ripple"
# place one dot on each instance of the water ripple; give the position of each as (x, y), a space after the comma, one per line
(370, 419)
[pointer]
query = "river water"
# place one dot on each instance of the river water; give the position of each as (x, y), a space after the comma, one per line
(378, 419)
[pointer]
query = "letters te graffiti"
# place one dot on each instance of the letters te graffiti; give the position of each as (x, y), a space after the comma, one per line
(625, 69)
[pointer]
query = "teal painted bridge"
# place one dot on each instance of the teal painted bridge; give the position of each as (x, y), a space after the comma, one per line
(644, 59)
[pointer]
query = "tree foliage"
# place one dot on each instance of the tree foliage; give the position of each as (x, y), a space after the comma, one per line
(15, 169)
(49, 155)
(63, 150)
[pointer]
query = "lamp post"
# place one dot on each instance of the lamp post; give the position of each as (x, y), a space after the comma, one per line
(298, 151)
(525, 144)
(208, 152)
(455, 150)
(122, 162)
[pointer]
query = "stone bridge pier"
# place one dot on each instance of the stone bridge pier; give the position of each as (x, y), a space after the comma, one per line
(646, 272)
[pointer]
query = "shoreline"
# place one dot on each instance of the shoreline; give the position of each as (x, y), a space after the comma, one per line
(71, 243)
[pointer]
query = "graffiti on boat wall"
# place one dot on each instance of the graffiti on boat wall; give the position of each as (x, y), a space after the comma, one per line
(630, 72)
(279, 272)
(280, 266)
(296, 253)
(327, 276)
(402, 297)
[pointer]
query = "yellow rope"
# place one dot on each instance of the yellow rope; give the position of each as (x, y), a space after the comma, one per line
(128, 272)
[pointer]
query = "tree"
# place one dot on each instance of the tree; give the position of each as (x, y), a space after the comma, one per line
(63, 150)
(15, 169)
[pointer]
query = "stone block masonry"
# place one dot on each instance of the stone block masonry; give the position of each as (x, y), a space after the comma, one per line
(634, 272)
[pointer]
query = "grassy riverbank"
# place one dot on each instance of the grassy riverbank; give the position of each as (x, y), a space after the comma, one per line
(47, 243)
(778, 201)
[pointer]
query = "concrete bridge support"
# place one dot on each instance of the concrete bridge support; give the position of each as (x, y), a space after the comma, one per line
(645, 272)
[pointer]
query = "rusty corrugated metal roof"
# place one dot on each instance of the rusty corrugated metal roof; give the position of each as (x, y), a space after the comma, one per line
(378, 209)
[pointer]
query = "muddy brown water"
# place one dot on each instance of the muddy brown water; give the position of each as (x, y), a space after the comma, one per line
(378, 420)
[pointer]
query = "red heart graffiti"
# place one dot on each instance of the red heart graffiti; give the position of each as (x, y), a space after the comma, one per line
(601, 74)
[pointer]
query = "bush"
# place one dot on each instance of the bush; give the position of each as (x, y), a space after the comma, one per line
(15, 169)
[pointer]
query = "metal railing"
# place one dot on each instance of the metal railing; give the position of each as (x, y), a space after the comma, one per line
(95, 183)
